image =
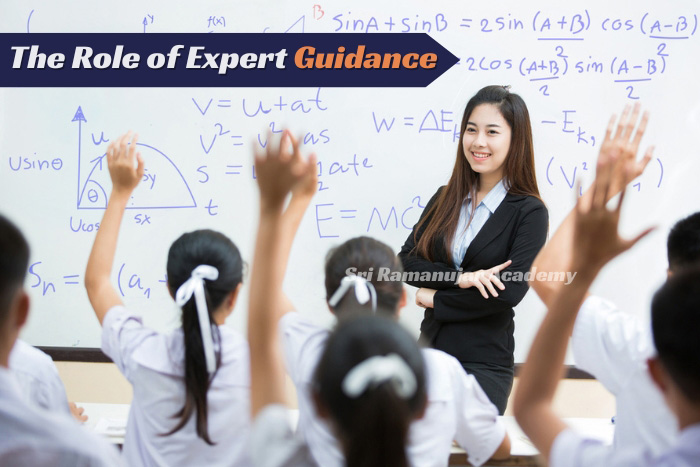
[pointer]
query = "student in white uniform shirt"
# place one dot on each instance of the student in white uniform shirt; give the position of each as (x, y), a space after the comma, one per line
(370, 382)
(675, 328)
(613, 345)
(39, 381)
(191, 399)
(458, 408)
(38, 377)
(30, 436)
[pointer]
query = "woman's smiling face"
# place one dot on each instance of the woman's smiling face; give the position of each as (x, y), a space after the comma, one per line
(486, 141)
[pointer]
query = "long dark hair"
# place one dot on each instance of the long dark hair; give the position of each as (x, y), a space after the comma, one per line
(518, 170)
(373, 427)
(367, 256)
(186, 253)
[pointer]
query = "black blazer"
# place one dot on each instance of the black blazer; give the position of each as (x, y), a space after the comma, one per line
(462, 322)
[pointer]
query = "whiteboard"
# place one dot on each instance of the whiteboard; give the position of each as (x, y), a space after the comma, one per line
(383, 152)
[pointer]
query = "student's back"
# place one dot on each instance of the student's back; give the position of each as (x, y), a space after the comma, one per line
(28, 435)
(457, 409)
(38, 378)
(154, 364)
(34, 437)
(191, 387)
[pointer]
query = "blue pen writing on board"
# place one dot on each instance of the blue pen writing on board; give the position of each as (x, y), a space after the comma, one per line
(131, 282)
(150, 194)
(299, 105)
(321, 218)
(441, 120)
(216, 23)
(671, 28)
(353, 22)
(23, 163)
(568, 174)
(211, 208)
(565, 27)
(47, 286)
(147, 21)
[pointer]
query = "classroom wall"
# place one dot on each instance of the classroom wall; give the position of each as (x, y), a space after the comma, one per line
(102, 382)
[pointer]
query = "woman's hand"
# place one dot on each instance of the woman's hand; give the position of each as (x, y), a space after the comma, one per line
(484, 279)
(125, 164)
(424, 297)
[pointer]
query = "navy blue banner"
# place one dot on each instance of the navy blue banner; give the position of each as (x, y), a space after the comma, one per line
(221, 60)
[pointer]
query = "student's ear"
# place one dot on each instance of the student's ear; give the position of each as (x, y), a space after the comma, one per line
(330, 308)
(669, 273)
(167, 284)
(658, 374)
(321, 409)
(22, 309)
(403, 300)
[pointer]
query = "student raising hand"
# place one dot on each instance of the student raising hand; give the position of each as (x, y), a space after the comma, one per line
(122, 160)
(278, 172)
(126, 170)
(596, 242)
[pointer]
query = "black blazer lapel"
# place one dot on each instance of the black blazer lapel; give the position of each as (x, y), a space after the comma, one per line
(492, 228)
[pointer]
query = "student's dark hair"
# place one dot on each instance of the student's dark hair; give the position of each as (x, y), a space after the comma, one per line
(14, 260)
(675, 320)
(683, 245)
(518, 171)
(186, 253)
(366, 255)
(373, 428)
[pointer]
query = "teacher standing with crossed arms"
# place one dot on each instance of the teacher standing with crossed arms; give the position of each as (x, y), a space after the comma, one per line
(488, 217)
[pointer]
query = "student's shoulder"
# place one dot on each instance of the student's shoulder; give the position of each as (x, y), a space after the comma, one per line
(29, 359)
(53, 435)
(297, 325)
(443, 371)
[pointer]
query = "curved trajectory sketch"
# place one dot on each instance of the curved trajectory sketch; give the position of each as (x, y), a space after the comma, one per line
(163, 185)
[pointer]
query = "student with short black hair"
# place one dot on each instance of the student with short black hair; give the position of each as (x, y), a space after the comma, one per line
(683, 244)
(675, 326)
(608, 343)
(191, 387)
(29, 436)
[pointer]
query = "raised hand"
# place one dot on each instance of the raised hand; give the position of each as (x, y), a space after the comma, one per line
(621, 145)
(125, 164)
(279, 172)
(596, 237)
(484, 279)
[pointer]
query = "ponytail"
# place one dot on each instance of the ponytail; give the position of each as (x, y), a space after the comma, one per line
(204, 267)
(378, 429)
(197, 378)
(371, 380)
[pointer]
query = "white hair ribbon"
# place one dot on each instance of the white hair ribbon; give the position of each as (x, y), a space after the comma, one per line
(195, 286)
(377, 370)
(364, 291)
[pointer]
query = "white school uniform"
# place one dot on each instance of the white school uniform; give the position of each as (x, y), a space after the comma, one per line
(154, 364)
(273, 443)
(458, 409)
(572, 450)
(38, 378)
(35, 437)
(614, 347)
